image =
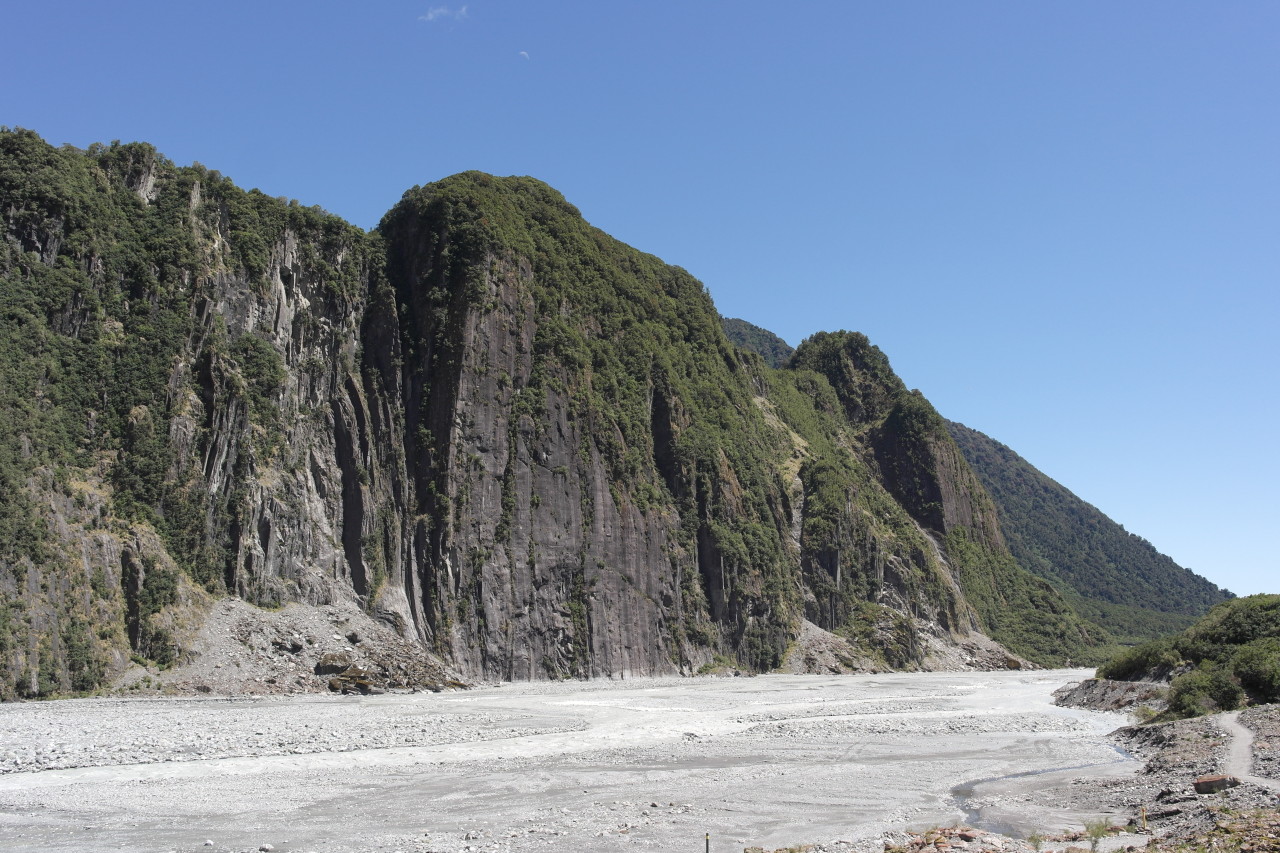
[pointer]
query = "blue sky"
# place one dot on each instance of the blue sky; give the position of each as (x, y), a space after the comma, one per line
(1061, 221)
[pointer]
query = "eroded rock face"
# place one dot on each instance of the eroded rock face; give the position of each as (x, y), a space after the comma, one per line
(519, 444)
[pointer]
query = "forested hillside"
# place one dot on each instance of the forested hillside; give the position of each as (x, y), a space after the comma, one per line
(1115, 578)
(774, 350)
(880, 432)
(1118, 582)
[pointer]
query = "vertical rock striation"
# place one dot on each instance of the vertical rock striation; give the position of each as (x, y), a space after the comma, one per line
(507, 435)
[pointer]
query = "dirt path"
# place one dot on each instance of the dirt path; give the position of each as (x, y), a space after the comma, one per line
(1239, 758)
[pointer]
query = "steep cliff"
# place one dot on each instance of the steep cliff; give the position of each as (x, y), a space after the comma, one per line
(899, 436)
(590, 479)
(185, 412)
(518, 442)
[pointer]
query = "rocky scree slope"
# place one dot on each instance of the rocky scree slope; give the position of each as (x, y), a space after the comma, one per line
(519, 444)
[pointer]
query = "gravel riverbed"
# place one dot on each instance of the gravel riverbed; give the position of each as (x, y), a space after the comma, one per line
(105, 732)
(844, 763)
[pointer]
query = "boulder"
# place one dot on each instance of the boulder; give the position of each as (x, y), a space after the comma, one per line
(354, 680)
(1214, 784)
(333, 663)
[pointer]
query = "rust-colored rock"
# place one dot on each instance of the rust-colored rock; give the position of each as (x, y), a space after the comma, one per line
(1214, 784)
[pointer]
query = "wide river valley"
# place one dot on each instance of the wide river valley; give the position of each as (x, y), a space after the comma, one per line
(649, 764)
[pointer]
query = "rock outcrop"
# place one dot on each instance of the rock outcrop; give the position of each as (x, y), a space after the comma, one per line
(515, 442)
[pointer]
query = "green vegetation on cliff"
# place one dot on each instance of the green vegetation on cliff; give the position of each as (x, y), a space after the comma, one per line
(635, 347)
(1228, 658)
(905, 441)
(774, 350)
(492, 424)
(105, 269)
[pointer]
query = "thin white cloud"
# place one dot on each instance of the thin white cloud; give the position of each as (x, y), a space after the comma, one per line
(525, 54)
(437, 13)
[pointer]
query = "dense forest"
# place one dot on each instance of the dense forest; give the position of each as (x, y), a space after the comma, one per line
(1114, 578)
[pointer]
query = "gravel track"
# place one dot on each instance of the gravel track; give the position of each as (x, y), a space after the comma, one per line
(1239, 760)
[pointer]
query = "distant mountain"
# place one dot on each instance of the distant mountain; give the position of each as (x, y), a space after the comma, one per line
(1116, 579)
(774, 350)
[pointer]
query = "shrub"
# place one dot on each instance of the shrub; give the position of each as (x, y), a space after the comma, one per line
(1257, 666)
(1147, 660)
(1204, 691)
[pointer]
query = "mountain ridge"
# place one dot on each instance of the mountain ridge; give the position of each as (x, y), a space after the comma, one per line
(1117, 580)
(517, 442)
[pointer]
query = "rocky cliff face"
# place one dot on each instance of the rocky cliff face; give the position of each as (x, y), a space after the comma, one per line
(524, 563)
(509, 437)
(565, 524)
(204, 422)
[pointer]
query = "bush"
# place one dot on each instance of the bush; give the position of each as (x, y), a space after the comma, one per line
(1150, 660)
(1236, 652)
(1257, 666)
(1204, 691)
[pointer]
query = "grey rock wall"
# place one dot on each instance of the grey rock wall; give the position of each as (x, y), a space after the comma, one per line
(366, 419)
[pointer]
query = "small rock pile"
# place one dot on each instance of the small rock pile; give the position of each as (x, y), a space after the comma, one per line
(965, 838)
(337, 647)
(1233, 832)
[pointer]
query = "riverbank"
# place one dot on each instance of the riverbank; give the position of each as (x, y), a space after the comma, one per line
(842, 763)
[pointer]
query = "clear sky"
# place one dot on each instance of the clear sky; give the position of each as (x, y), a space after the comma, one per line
(1060, 220)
